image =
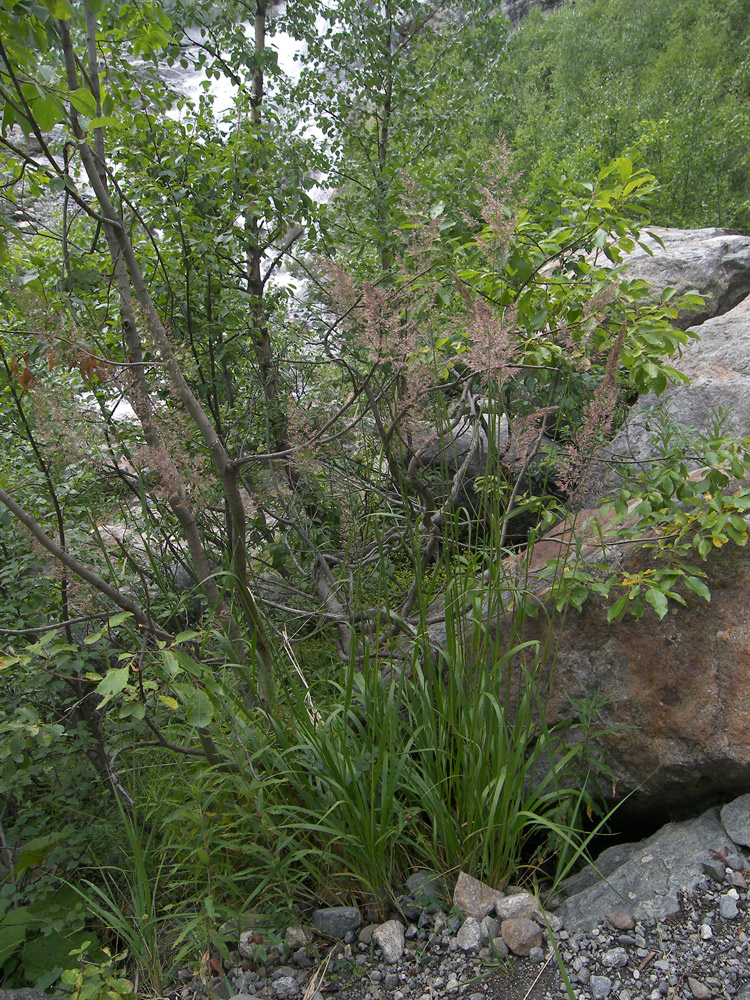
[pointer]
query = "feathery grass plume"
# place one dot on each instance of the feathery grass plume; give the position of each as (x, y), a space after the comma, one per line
(578, 457)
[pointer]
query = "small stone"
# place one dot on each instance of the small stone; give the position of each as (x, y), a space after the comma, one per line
(490, 929)
(522, 904)
(499, 948)
(737, 879)
(389, 937)
(521, 935)
(699, 990)
(297, 937)
(601, 987)
(615, 958)
(337, 921)
(286, 986)
(728, 907)
(536, 956)
(735, 861)
(365, 935)
(474, 898)
(301, 959)
(715, 870)
(621, 920)
(411, 932)
(469, 937)
(390, 981)
(706, 932)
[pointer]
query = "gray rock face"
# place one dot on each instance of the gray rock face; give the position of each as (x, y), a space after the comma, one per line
(736, 819)
(647, 875)
(517, 10)
(337, 921)
(718, 366)
(715, 262)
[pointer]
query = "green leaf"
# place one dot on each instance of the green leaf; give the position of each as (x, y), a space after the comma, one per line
(35, 851)
(104, 122)
(59, 9)
(200, 711)
(83, 101)
(616, 611)
(47, 112)
(186, 636)
(119, 618)
(657, 600)
(13, 929)
(115, 681)
(698, 587)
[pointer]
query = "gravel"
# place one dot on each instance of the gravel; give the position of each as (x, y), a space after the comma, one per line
(699, 953)
(660, 919)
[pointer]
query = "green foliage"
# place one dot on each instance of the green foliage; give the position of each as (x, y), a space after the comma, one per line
(691, 499)
(96, 979)
(437, 295)
(37, 938)
(598, 78)
(124, 899)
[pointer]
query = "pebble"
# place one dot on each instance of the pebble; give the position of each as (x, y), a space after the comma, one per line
(621, 920)
(469, 937)
(337, 921)
(389, 937)
(699, 990)
(601, 987)
(728, 907)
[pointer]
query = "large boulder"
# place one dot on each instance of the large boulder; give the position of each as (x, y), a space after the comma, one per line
(718, 366)
(677, 691)
(645, 879)
(715, 262)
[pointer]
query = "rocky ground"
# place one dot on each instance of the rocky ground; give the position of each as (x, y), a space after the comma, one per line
(662, 918)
